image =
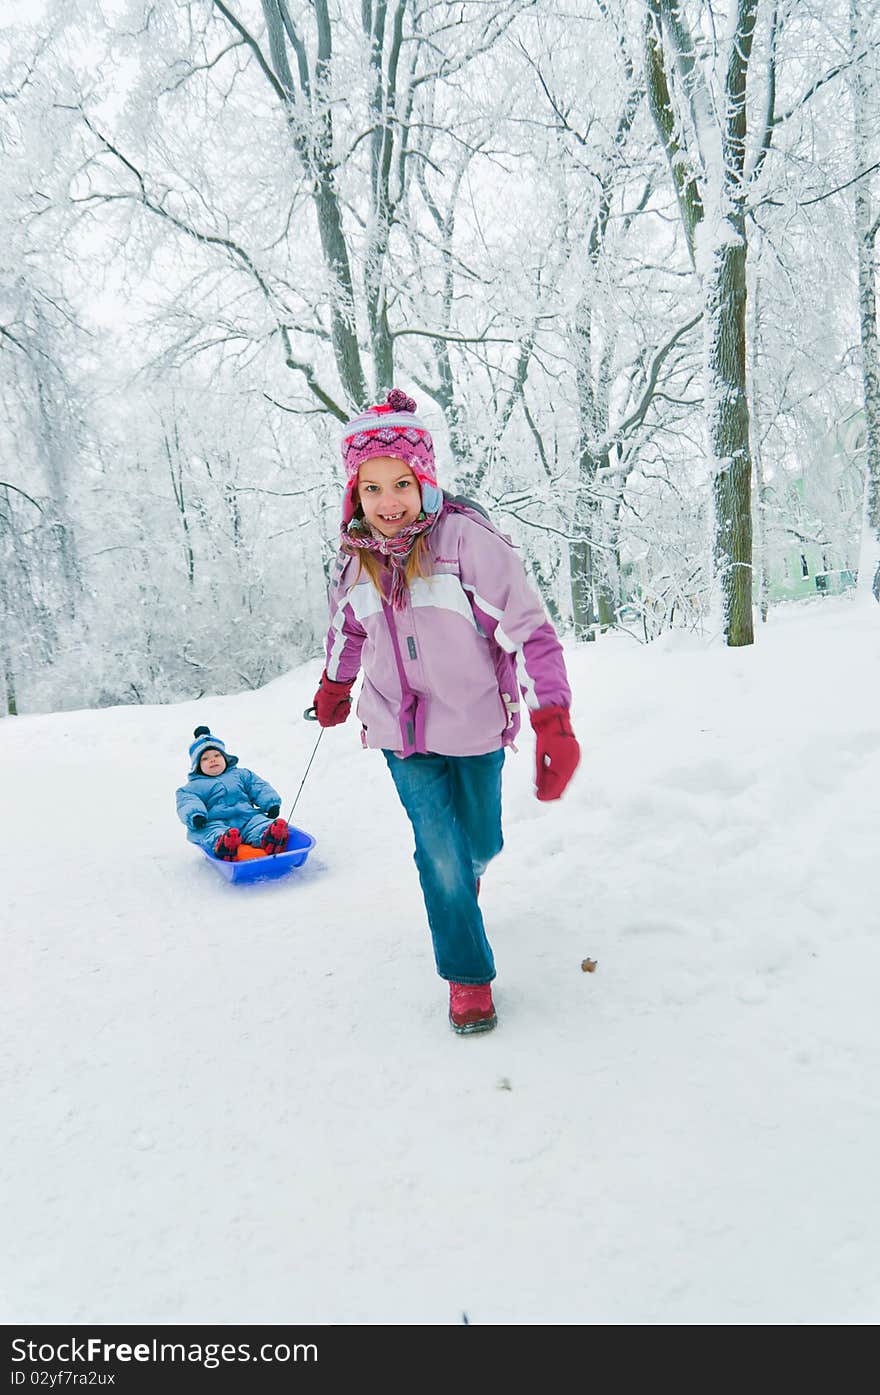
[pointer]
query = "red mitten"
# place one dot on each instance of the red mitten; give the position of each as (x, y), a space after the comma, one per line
(332, 701)
(557, 752)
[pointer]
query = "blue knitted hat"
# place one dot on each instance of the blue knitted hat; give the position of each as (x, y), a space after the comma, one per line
(204, 741)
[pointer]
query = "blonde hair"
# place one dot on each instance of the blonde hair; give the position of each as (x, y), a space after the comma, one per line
(418, 563)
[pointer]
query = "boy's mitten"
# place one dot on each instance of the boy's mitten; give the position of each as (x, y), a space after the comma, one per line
(557, 752)
(227, 845)
(332, 701)
(273, 811)
(199, 820)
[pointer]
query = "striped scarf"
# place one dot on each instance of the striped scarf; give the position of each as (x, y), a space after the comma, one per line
(393, 550)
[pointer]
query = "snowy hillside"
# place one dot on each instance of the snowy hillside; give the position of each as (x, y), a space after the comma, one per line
(228, 1104)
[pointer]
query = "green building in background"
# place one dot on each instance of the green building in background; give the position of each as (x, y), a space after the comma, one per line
(814, 519)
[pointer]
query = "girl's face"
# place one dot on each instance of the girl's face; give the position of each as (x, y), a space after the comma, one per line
(389, 494)
(212, 763)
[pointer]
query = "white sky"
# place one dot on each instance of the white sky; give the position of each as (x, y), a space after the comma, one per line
(229, 1104)
(28, 13)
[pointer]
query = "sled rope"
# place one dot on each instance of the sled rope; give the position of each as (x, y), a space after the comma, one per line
(308, 768)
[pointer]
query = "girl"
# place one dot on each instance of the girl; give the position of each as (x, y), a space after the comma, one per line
(432, 603)
(225, 807)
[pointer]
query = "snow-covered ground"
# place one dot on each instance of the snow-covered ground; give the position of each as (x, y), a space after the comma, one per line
(233, 1104)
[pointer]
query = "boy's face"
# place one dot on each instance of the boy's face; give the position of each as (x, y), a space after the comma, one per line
(389, 494)
(211, 762)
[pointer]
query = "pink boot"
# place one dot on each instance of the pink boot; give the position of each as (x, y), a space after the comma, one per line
(470, 1008)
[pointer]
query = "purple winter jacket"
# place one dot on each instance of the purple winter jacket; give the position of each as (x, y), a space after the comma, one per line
(443, 674)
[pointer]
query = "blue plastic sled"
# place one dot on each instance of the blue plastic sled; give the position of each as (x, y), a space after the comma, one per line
(264, 869)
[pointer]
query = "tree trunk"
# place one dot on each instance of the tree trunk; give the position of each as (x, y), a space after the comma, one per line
(11, 705)
(581, 559)
(681, 166)
(866, 237)
(545, 587)
(761, 495)
(175, 464)
(51, 436)
(310, 99)
(582, 610)
(608, 595)
(728, 426)
(342, 315)
(384, 69)
(869, 558)
(720, 213)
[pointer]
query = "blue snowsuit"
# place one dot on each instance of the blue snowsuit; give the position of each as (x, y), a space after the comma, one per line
(236, 799)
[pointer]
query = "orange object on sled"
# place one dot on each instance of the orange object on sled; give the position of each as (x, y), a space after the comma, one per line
(246, 852)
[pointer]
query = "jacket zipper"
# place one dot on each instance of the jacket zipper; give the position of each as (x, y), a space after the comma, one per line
(410, 702)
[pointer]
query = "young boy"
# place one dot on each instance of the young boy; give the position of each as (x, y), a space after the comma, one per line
(223, 805)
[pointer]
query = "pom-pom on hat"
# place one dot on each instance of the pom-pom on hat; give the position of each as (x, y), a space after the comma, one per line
(203, 742)
(390, 429)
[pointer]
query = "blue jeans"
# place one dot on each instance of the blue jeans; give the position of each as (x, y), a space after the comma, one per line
(454, 806)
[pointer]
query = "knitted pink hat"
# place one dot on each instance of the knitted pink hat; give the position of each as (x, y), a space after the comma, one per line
(391, 429)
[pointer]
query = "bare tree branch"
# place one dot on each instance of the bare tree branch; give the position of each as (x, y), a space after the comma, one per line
(255, 49)
(770, 116)
(637, 417)
(4, 484)
(308, 372)
(819, 84)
